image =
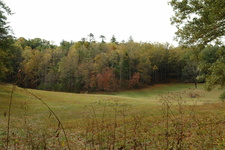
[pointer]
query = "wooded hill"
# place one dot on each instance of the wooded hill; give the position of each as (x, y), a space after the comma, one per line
(88, 65)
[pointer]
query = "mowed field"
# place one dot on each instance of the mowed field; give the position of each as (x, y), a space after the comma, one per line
(164, 116)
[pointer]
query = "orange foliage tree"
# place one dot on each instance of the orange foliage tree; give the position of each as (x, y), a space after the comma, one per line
(106, 80)
(134, 81)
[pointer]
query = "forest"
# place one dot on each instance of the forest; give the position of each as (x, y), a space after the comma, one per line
(88, 65)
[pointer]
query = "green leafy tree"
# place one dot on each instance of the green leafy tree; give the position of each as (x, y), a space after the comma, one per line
(10, 58)
(198, 22)
(217, 74)
(39, 44)
(4, 28)
(65, 45)
(145, 69)
(68, 69)
(5, 41)
(133, 53)
(207, 57)
(101, 61)
(21, 42)
(49, 69)
(212, 64)
(31, 67)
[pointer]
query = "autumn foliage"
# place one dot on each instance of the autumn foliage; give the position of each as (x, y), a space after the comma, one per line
(106, 80)
(134, 82)
(93, 66)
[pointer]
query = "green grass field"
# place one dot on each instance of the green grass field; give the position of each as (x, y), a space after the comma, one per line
(163, 116)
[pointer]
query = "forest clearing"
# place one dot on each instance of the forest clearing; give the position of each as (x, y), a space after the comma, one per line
(164, 116)
(99, 93)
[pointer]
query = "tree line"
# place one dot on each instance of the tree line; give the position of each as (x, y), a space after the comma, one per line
(88, 65)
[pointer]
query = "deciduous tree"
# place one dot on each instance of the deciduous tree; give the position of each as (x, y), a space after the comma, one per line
(201, 23)
(198, 22)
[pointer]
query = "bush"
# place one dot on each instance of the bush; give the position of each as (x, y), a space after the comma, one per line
(222, 96)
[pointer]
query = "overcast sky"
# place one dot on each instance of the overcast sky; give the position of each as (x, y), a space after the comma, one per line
(55, 20)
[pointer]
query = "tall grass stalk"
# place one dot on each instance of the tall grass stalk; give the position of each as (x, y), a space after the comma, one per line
(9, 115)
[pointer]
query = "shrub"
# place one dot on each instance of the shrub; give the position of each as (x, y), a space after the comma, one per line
(222, 96)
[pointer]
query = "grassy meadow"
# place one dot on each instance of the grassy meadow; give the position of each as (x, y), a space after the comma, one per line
(164, 116)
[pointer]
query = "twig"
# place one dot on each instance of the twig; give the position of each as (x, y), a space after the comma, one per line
(54, 115)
